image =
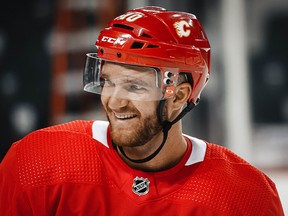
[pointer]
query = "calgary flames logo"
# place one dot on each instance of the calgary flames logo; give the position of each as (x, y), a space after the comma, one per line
(182, 28)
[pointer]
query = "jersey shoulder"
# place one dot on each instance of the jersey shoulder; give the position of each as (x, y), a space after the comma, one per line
(57, 154)
(217, 152)
(77, 126)
(225, 182)
(235, 168)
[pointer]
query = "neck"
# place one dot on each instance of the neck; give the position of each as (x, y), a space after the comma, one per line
(170, 155)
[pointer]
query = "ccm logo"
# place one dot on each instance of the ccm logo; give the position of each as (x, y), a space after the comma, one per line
(114, 41)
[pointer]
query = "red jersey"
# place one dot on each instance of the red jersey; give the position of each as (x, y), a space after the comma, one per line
(73, 169)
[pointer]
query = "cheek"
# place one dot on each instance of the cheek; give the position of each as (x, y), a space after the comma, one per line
(147, 108)
(105, 107)
(104, 101)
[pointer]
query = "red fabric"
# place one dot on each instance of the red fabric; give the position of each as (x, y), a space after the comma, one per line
(62, 170)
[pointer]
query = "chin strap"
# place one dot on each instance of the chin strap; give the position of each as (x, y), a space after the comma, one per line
(166, 125)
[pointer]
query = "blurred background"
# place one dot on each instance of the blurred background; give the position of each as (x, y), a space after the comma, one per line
(244, 107)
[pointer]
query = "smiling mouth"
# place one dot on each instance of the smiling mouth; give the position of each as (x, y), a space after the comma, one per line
(124, 116)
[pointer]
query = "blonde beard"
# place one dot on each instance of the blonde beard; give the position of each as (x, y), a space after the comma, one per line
(139, 136)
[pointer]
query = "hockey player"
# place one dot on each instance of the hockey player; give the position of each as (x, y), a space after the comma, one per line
(150, 68)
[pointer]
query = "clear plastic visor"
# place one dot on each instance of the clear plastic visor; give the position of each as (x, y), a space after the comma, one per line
(126, 81)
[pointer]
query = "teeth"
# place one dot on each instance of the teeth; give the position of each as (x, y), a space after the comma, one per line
(126, 116)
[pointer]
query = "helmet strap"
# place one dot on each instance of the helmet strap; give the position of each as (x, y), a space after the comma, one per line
(166, 125)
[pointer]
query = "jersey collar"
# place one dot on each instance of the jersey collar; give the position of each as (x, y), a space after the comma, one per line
(100, 133)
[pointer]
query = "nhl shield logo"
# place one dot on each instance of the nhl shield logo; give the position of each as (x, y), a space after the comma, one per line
(140, 186)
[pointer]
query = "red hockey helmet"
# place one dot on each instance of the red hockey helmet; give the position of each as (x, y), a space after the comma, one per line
(154, 37)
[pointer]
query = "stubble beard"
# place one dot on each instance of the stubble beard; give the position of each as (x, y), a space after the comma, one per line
(140, 134)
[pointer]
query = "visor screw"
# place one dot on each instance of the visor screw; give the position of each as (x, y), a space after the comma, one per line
(168, 74)
(167, 81)
(119, 54)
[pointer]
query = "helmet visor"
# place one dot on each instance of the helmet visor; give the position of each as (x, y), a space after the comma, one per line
(126, 81)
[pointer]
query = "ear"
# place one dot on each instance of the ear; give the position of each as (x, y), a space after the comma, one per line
(182, 94)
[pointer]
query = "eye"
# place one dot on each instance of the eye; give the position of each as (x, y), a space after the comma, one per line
(136, 88)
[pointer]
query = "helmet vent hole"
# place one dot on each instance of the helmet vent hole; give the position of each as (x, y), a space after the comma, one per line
(146, 35)
(152, 46)
(123, 26)
(137, 45)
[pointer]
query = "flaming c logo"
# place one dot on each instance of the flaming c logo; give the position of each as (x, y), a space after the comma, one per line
(182, 28)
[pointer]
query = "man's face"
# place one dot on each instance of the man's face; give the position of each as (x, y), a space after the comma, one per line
(128, 97)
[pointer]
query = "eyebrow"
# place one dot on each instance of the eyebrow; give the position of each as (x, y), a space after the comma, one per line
(137, 81)
(128, 79)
